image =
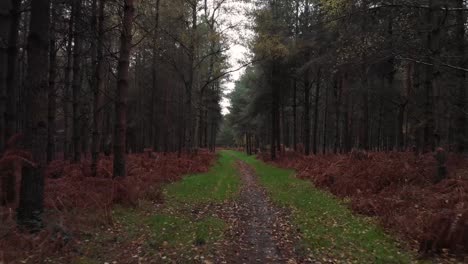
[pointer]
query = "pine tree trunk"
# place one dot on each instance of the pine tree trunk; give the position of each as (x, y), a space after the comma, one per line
(337, 92)
(295, 115)
(285, 127)
(189, 118)
(122, 90)
(306, 113)
(364, 126)
(325, 123)
(12, 72)
(29, 213)
(52, 103)
(274, 112)
(99, 83)
(5, 18)
(277, 121)
(316, 112)
(67, 84)
(346, 115)
(461, 137)
(432, 74)
(76, 84)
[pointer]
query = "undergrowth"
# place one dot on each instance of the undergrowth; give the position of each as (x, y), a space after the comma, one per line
(82, 222)
(180, 230)
(400, 191)
(329, 229)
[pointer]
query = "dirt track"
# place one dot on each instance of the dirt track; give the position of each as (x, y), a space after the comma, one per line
(260, 232)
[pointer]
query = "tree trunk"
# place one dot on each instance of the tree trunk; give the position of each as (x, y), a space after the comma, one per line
(122, 90)
(189, 119)
(285, 126)
(306, 113)
(29, 213)
(52, 103)
(277, 121)
(337, 92)
(76, 85)
(364, 126)
(316, 112)
(325, 123)
(98, 84)
(461, 104)
(346, 115)
(274, 107)
(432, 74)
(12, 75)
(67, 89)
(295, 115)
(5, 18)
(154, 91)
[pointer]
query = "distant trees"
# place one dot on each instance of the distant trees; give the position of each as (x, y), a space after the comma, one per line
(82, 77)
(368, 74)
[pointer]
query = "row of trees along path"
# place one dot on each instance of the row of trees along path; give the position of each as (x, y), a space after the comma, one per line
(338, 75)
(84, 77)
(330, 76)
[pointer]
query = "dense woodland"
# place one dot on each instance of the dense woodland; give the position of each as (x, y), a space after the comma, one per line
(333, 76)
(84, 77)
(86, 83)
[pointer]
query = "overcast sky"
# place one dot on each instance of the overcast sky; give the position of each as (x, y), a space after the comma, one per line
(235, 13)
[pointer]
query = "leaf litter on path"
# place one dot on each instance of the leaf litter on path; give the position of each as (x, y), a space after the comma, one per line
(259, 231)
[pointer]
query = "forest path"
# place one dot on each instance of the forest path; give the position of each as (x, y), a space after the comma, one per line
(242, 210)
(260, 232)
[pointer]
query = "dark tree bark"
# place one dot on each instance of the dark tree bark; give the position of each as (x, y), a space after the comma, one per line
(316, 111)
(154, 90)
(5, 18)
(29, 213)
(461, 104)
(402, 107)
(295, 114)
(190, 121)
(337, 93)
(274, 111)
(52, 104)
(12, 74)
(432, 75)
(98, 22)
(347, 117)
(325, 123)
(364, 124)
(76, 84)
(306, 113)
(277, 120)
(67, 84)
(122, 90)
(285, 126)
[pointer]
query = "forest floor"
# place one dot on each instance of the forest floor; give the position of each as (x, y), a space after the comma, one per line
(242, 211)
(238, 209)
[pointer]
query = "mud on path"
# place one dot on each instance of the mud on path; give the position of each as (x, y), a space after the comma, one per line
(260, 232)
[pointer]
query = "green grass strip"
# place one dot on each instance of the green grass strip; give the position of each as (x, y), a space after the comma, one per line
(328, 227)
(174, 227)
(221, 183)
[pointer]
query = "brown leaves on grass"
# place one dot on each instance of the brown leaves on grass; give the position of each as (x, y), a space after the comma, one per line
(398, 189)
(75, 202)
(71, 185)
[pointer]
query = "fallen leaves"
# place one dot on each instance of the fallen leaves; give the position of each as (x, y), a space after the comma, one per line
(398, 189)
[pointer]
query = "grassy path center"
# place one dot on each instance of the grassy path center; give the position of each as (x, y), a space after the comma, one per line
(207, 217)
